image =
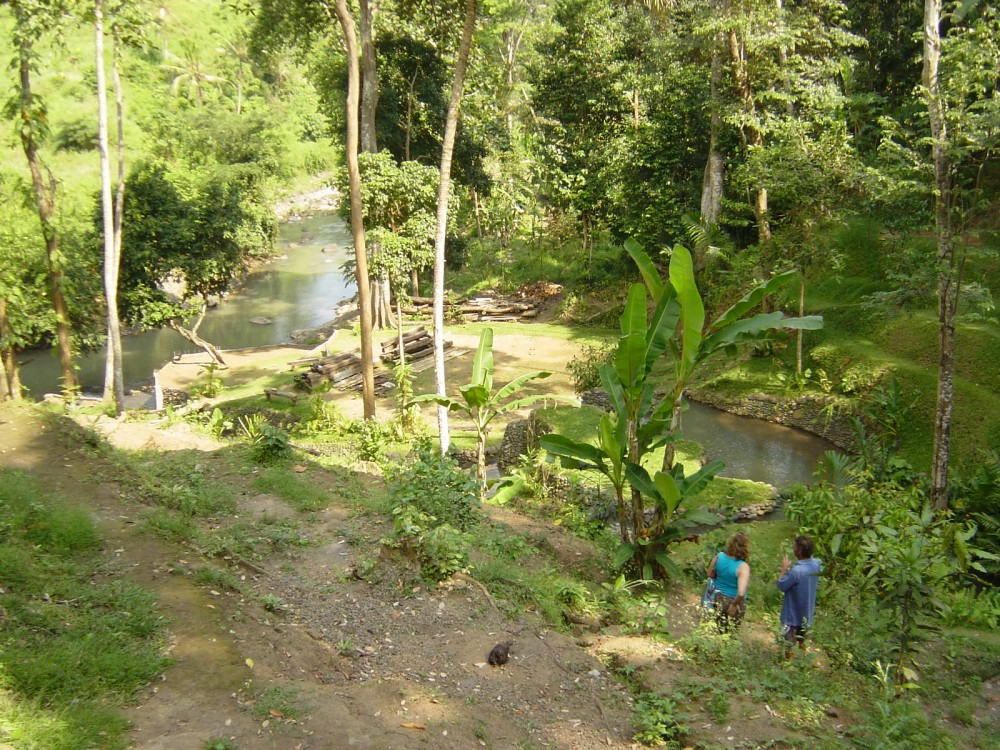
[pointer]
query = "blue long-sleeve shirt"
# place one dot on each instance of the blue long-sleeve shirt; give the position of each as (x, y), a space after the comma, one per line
(799, 587)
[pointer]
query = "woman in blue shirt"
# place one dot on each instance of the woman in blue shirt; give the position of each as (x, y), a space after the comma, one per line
(732, 576)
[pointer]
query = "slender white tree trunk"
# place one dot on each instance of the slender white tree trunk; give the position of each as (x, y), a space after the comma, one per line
(447, 148)
(948, 282)
(113, 389)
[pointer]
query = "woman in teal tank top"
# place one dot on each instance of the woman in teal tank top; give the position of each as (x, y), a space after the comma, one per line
(732, 576)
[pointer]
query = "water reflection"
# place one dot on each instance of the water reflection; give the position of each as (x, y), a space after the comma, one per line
(299, 290)
(753, 449)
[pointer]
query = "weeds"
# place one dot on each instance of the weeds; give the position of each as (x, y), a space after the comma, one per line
(178, 481)
(268, 444)
(293, 489)
(253, 541)
(70, 648)
(657, 721)
(277, 702)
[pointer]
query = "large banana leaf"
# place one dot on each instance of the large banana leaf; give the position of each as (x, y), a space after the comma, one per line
(662, 325)
(646, 267)
(692, 318)
(482, 362)
(583, 455)
(662, 488)
(751, 329)
(517, 382)
(630, 357)
(612, 438)
(751, 300)
(476, 395)
(613, 387)
(698, 481)
(667, 309)
(449, 403)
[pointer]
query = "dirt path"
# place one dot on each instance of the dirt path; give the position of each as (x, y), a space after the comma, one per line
(382, 664)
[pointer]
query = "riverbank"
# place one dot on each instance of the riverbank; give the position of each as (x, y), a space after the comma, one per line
(294, 207)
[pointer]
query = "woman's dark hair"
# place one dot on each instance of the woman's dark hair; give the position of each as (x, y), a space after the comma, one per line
(803, 547)
(738, 547)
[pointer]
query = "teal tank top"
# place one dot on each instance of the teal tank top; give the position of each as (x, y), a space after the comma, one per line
(725, 574)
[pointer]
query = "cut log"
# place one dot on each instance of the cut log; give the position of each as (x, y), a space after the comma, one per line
(270, 393)
(393, 344)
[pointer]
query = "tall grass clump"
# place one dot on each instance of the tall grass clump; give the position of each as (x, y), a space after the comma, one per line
(70, 651)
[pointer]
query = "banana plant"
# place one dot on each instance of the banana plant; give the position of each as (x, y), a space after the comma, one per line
(668, 492)
(641, 423)
(481, 405)
(694, 342)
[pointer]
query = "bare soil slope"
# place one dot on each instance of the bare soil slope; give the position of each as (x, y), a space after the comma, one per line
(373, 665)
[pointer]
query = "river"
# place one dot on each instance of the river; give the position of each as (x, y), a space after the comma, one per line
(752, 448)
(301, 289)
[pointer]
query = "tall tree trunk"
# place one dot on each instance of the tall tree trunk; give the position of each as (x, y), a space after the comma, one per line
(382, 316)
(113, 389)
(408, 122)
(44, 191)
(751, 132)
(354, 193)
(447, 148)
(116, 339)
(475, 211)
(10, 384)
(369, 79)
(711, 190)
(948, 282)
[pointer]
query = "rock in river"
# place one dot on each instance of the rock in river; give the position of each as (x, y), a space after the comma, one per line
(261, 321)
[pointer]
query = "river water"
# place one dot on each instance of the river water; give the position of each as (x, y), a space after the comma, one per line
(301, 289)
(754, 449)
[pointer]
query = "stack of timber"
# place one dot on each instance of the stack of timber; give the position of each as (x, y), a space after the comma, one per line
(490, 308)
(343, 370)
(418, 350)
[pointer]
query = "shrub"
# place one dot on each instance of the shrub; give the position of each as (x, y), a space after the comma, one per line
(437, 487)
(370, 439)
(585, 368)
(886, 540)
(657, 722)
(267, 442)
(442, 550)
(76, 135)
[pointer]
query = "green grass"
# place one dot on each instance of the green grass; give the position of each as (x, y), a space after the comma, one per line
(298, 491)
(278, 701)
(71, 650)
(253, 540)
(180, 481)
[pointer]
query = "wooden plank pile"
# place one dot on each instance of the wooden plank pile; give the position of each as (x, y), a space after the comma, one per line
(417, 344)
(343, 370)
(334, 368)
(491, 308)
(418, 348)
